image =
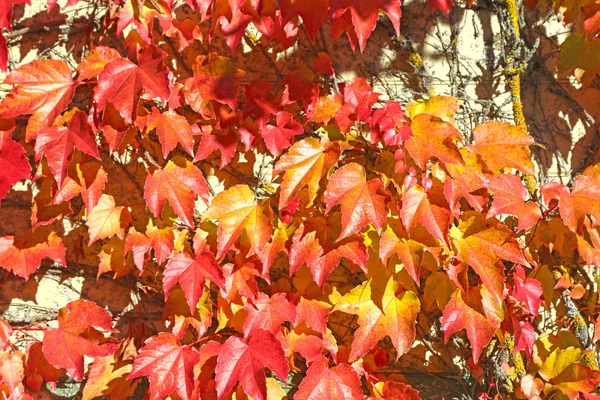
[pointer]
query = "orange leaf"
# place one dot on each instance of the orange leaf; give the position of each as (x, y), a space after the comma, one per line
(179, 182)
(237, 212)
(396, 318)
(106, 220)
(42, 88)
(360, 201)
(433, 137)
(323, 383)
(304, 164)
(502, 145)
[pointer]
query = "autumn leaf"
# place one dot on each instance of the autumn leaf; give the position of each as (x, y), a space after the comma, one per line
(95, 61)
(510, 198)
(443, 107)
(582, 54)
(304, 164)
(281, 136)
(458, 315)
(23, 258)
(482, 244)
(191, 274)
(582, 200)
(58, 142)
(107, 220)
(168, 365)
(237, 211)
(179, 182)
(321, 382)
(42, 88)
(122, 83)
(502, 145)
(396, 317)
(11, 370)
(313, 313)
(171, 128)
(433, 137)
(244, 362)
(390, 390)
(312, 13)
(107, 376)
(417, 210)
(268, 313)
(215, 78)
(360, 201)
(365, 15)
(14, 166)
(76, 336)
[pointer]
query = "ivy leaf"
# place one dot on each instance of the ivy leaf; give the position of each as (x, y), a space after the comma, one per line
(417, 210)
(58, 143)
(391, 390)
(6, 12)
(365, 15)
(313, 313)
(582, 54)
(237, 212)
(360, 201)
(502, 145)
(244, 362)
(281, 136)
(313, 13)
(171, 129)
(42, 88)
(14, 166)
(11, 370)
(509, 198)
(107, 220)
(433, 137)
(458, 315)
(23, 258)
(191, 274)
(168, 365)
(584, 198)
(76, 337)
(179, 182)
(304, 164)
(122, 83)
(215, 78)
(268, 313)
(482, 244)
(396, 318)
(321, 382)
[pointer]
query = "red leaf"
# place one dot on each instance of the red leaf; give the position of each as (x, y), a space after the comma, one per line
(313, 13)
(168, 365)
(191, 274)
(399, 391)
(314, 313)
(178, 182)
(361, 203)
(24, 258)
(171, 129)
(58, 143)
(509, 198)
(323, 383)
(268, 314)
(14, 166)
(244, 362)
(237, 211)
(304, 164)
(6, 12)
(417, 210)
(281, 136)
(215, 78)
(444, 5)
(365, 14)
(458, 315)
(122, 82)
(42, 88)
(76, 337)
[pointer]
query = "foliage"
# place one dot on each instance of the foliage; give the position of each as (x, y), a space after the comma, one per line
(306, 238)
